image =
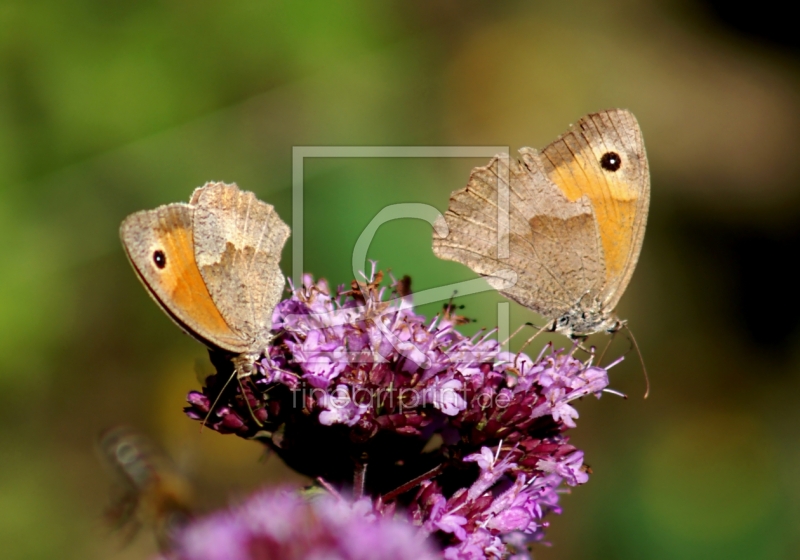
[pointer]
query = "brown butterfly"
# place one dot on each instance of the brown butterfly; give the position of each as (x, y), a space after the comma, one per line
(212, 265)
(576, 218)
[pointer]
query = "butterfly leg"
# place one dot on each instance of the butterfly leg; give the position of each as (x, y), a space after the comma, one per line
(548, 327)
(515, 333)
(608, 345)
(216, 400)
(247, 402)
(579, 340)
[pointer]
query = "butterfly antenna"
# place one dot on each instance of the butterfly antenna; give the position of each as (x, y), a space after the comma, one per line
(641, 361)
(216, 400)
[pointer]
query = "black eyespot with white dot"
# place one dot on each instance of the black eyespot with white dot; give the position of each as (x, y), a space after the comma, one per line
(160, 258)
(611, 161)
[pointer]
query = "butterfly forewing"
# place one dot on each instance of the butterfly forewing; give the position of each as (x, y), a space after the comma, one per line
(159, 244)
(602, 158)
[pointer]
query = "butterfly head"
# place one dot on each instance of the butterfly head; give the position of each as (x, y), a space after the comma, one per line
(578, 323)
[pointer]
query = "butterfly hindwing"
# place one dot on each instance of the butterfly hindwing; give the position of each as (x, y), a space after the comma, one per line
(238, 245)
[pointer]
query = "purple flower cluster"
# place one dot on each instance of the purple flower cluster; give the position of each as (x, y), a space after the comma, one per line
(281, 525)
(523, 459)
(364, 393)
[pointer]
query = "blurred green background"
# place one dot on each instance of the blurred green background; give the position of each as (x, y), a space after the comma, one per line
(108, 108)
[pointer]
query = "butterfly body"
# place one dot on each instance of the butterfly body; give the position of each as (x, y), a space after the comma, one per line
(574, 226)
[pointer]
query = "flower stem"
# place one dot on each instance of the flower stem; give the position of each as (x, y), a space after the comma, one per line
(411, 484)
(359, 479)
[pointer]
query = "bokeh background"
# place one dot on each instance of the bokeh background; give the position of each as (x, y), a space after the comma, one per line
(108, 108)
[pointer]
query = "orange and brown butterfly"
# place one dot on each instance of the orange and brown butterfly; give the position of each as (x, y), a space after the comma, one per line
(574, 226)
(213, 266)
(149, 490)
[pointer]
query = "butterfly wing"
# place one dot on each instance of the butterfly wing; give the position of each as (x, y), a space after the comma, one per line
(602, 158)
(238, 244)
(160, 246)
(549, 275)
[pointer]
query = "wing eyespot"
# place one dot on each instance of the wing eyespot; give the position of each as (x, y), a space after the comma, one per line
(611, 161)
(160, 259)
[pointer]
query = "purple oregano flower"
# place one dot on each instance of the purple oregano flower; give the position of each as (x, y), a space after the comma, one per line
(280, 525)
(463, 441)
